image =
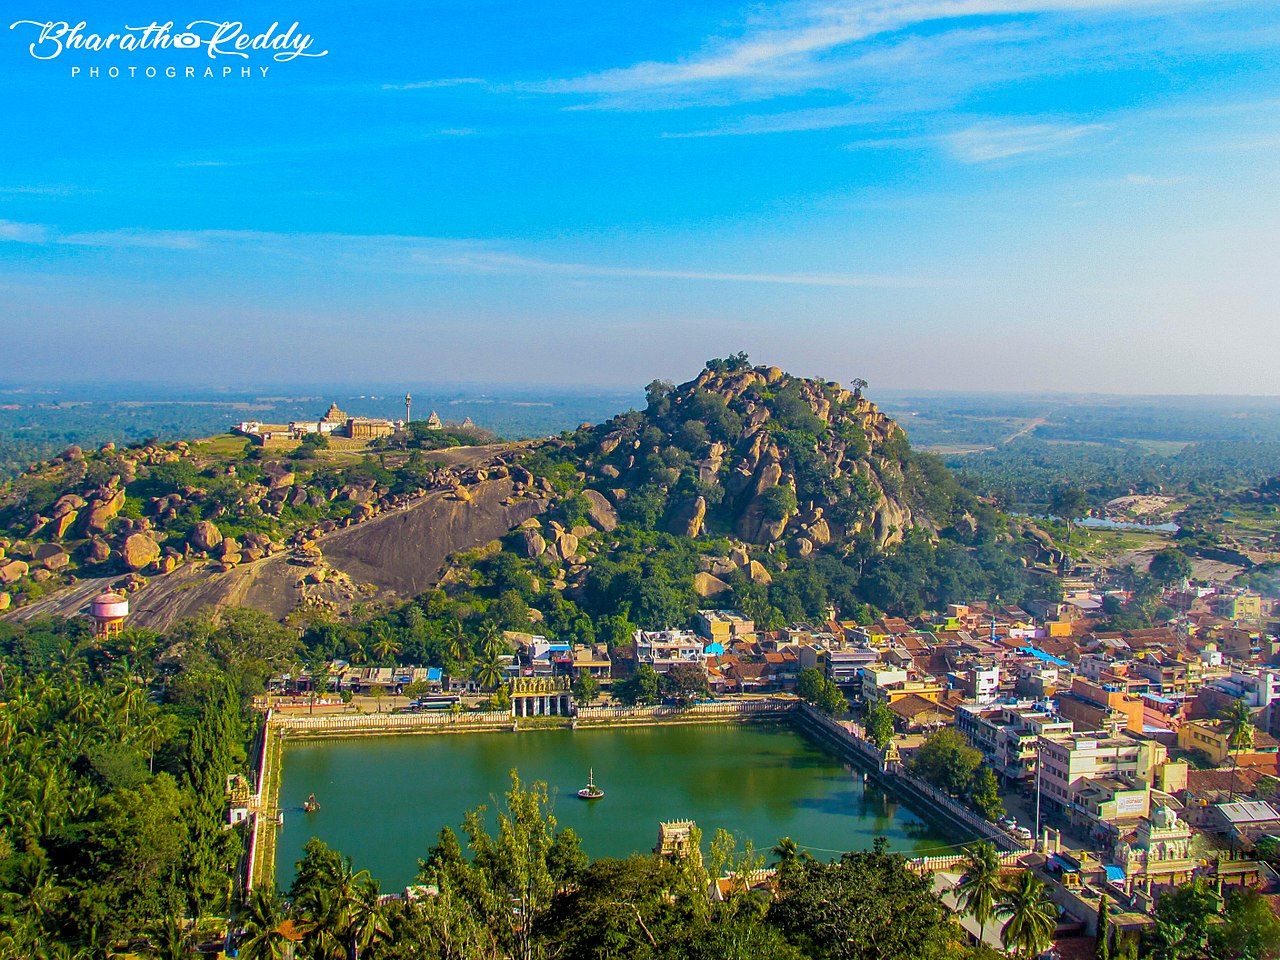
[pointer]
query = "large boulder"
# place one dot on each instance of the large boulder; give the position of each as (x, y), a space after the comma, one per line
(4, 601)
(687, 519)
(50, 555)
(534, 545)
(98, 551)
(758, 574)
(13, 571)
(705, 585)
(205, 535)
(601, 512)
(138, 550)
(59, 526)
(68, 503)
(566, 545)
(102, 511)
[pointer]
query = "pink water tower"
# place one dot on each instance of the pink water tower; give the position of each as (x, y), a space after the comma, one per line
(107, 611)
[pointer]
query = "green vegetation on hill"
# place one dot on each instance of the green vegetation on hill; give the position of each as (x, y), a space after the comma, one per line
(112, 793)
(1027, 471)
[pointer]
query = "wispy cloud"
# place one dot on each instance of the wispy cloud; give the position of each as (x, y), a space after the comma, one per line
(437, 84)
(421, 255)
(43, 190)
(22, 232)
(481, 261)
(1147, 180)
(794, 47)
(997, 140)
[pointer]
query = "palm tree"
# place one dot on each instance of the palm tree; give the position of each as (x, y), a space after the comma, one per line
(491, 640)
(355, 650)
(979, 888)
(1239, 724)
(489, 672)
(385, 645)
(263, 916)
(459, 644)
(786, 851)
(343, 917)
(1032, 917)
(169, 941)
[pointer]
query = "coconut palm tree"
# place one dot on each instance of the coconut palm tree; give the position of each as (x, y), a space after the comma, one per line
(491, 640)
(169, 941)
(356, 653)
(385, 645)
(459, 644)
(263, 916)
(1031, 915)
(1239, 724)
(489, 672)
(979, 889)
(343, 917)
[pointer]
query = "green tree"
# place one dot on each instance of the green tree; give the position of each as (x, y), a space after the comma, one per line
(262, 917)
(585, 689)
(1249, 931)
(639, 689)
(1102, 949)
(685, 683)
(817, 689)
(866, 906)
(489, 672)
(1068, 503)
(979, 889)
(880, 725)
(778, 502)
(1170, 566)
(385, 645)
(1239, 726)
(946, 760)
(514, 864)
(1032, 917)
(1183, 917)
(984, 794)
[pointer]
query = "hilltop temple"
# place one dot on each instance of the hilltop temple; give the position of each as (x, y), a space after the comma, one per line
(336, 423)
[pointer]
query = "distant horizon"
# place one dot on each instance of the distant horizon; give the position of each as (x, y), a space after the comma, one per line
(391, 390)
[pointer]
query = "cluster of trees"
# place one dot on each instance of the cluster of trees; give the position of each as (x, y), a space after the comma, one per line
(1027, 472)
(682, 684)
(1019, 899)
(112, 791)
(947, 761)
(523, 888)
(815, 687)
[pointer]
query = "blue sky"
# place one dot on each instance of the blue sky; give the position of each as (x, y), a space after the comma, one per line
(1077, 195)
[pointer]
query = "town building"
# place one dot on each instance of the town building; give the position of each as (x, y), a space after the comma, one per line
(724, 626)
(1213, 739)
(1066, 760)
(664, 649)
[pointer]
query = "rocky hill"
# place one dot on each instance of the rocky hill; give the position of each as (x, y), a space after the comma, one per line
(769, 465)
(769, 458)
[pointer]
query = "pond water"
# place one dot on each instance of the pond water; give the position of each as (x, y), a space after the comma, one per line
(384, 799)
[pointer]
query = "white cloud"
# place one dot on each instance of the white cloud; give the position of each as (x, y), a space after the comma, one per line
(482, 261)
(437, 84)
(416, 255)
(22, 232)
(789, 46)
(1146, 180)
(998, 140)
